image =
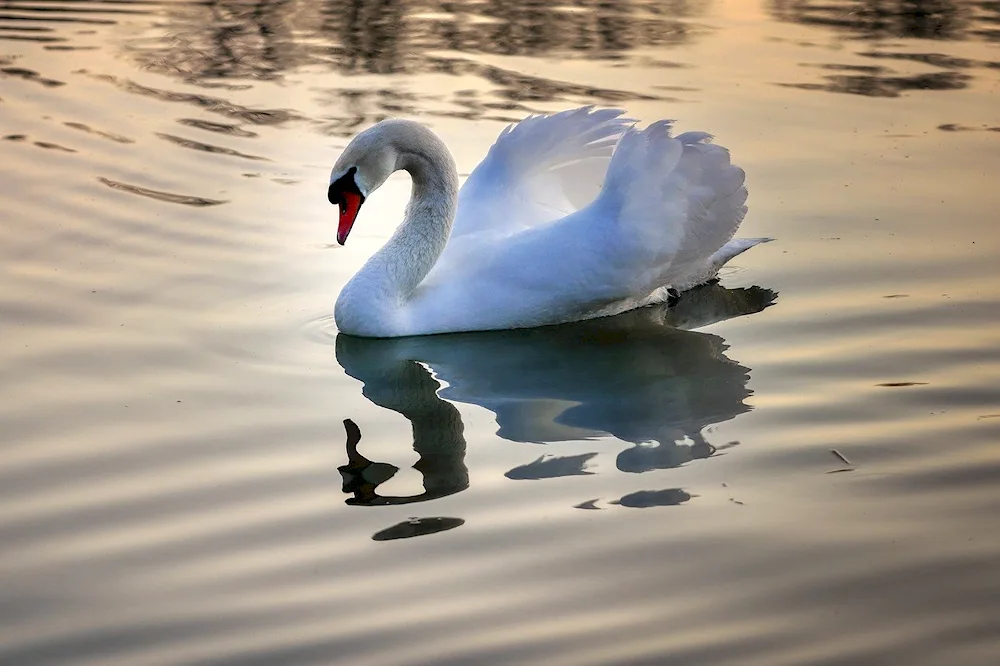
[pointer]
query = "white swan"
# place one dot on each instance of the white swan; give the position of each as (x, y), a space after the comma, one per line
(515, 248)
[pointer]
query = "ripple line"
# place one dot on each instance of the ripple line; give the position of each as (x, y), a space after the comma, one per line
(169, 197)
(208, 148)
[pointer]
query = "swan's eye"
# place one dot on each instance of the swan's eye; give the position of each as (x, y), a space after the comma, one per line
(335, 195)
(345, 183)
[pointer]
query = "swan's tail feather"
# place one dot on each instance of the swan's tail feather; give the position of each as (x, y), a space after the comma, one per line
(709, 269)
(734, 247)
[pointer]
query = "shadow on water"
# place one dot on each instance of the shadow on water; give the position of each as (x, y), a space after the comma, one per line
(640, 377)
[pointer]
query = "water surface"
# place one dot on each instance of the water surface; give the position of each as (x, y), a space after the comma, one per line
(797, 466)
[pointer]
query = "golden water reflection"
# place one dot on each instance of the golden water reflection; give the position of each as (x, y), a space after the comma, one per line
(171, 432)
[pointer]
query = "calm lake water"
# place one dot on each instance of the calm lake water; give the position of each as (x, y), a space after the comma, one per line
(800, 466)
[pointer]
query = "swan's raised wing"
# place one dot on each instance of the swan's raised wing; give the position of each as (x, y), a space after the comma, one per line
(677, 202)
(665, 217)
(539, 170)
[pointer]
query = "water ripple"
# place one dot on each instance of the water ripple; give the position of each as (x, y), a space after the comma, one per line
(207, 147)
(169, 197)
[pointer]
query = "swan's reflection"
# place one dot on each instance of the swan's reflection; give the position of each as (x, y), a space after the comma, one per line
(648, 498)
(415, 527)
(640, 376)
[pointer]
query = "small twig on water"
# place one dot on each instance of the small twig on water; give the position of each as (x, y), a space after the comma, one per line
(841, 456)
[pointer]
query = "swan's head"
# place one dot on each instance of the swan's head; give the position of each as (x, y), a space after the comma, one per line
(368, 160)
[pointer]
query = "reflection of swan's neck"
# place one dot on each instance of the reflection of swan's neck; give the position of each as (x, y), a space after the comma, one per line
(393, 381)
(389, 277)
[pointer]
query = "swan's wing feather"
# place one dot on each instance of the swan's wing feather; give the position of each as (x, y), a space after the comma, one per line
(539, 170)
(676, 201)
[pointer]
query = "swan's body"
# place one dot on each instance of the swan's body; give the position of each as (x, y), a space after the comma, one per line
(514, 248)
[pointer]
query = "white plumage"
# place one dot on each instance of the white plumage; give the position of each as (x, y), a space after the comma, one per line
(570, 216)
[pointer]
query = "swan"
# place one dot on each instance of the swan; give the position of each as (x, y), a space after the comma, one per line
(570, 216)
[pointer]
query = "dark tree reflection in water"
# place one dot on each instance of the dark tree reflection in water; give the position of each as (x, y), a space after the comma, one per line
(367, 35)
(876, 21)
(881, 19)
(224, 40)
(205, 43)
(261, 39)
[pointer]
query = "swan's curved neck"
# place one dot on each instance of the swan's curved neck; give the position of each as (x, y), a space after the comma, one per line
(418, 242)
(380, 289)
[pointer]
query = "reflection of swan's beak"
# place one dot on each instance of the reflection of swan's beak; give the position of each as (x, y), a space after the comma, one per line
(441, 466)
(360, 471)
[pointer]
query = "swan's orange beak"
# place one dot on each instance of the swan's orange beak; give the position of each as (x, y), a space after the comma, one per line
(350, 204)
